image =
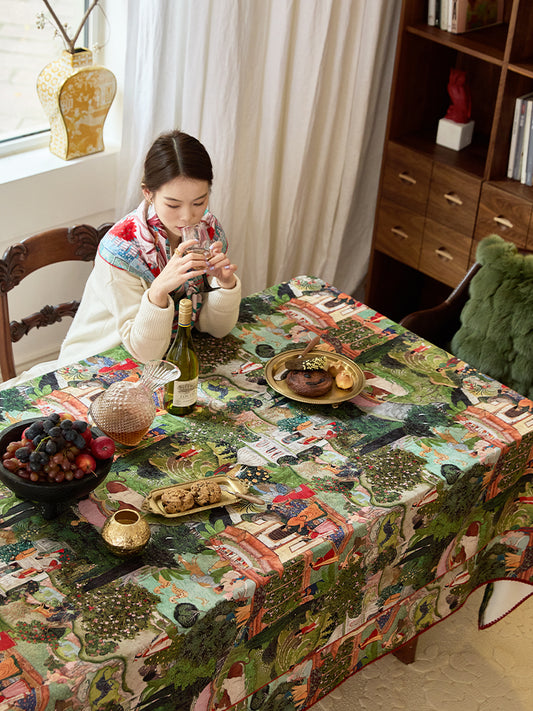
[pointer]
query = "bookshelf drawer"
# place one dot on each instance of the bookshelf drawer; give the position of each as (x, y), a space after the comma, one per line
(453, 198)
(503, 214)
(399, 233)
(444, 254)
(406, 177)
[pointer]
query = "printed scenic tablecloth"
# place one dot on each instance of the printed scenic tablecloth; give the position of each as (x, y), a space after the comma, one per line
(381, 516)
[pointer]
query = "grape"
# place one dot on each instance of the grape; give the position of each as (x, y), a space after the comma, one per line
(79, 425)
(79, 442)
(34, 429)
(47, 449)
(48, 424)
(23, 454)
(61, 442)
(50, 447)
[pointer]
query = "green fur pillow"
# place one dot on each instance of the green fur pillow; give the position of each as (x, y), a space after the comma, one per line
(496, 333)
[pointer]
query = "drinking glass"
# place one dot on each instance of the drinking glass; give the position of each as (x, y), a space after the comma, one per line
(201, 235)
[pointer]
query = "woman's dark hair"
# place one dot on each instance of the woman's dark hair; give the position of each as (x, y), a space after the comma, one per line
(174, 154)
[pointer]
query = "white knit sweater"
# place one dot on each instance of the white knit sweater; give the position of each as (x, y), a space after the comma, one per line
(115, 309)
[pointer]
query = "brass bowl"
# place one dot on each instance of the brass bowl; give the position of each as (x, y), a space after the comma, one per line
(126, 532)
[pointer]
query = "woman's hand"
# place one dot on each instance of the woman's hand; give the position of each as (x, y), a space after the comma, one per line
(176, 272)
(220, 267)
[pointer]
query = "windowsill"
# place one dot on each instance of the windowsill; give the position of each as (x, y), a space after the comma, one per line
(27, 164)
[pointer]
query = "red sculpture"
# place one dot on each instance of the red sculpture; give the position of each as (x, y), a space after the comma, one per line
(459, 91)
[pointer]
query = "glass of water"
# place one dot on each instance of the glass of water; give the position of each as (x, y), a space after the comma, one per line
(201, 235)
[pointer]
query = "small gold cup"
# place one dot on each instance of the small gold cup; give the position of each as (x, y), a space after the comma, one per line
(126, 532)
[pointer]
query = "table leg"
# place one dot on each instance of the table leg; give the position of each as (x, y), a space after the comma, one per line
(407, 652)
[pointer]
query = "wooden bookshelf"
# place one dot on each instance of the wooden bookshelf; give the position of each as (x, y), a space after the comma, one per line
(421, 250)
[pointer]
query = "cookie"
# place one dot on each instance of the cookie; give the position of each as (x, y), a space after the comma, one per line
(205, 493)
(177, 500)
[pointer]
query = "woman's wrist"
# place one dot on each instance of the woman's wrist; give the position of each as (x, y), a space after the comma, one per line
(227, 286)
(157, 298)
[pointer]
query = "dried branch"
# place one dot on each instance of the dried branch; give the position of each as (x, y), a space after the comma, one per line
(71, 43)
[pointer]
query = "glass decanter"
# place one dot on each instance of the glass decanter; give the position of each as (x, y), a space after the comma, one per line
(126, 410)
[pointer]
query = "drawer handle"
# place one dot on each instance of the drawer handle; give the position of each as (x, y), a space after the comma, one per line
(399, 233)
(453, 198)
(503, 221)
(406, 178)
(443, 254)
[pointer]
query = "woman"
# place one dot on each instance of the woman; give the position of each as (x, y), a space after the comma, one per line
(141, 269)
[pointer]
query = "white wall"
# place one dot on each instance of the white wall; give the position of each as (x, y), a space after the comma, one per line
(82, 191)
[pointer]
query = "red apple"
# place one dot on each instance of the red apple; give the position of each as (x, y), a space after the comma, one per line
(87, 436)
(103, 447)
(85, 462)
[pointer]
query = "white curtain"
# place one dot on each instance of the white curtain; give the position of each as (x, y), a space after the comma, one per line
(290, 99)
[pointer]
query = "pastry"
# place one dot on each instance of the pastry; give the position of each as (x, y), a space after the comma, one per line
(310, 383)
(344, 380)
(177, 500)
(336, 367)
(205, 493)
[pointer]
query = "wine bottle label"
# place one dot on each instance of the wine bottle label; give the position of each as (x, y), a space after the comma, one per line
(185, 392)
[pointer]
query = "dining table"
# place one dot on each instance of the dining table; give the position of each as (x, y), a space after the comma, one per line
(379, 512)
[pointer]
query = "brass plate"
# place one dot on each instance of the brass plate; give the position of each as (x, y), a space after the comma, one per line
(335, 395)
(152, 503)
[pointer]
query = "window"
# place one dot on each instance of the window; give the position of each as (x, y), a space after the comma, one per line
(24, 51)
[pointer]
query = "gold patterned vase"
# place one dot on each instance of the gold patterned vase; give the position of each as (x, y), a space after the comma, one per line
(76, 96)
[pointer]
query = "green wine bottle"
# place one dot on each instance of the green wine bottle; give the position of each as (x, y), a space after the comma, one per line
(181, 394)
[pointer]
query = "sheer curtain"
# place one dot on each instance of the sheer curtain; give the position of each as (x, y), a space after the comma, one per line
(290, 99)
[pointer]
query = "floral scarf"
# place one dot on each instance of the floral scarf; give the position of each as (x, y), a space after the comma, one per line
(138, 244)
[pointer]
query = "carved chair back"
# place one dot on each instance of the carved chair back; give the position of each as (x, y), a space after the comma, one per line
(63, 244)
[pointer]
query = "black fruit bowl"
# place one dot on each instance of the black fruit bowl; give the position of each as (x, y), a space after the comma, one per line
(51, 498)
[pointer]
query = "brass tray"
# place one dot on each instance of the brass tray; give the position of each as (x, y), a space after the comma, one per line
(152, 502)
(335, 395)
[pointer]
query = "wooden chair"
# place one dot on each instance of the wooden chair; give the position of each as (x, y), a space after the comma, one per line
(58, 245)
(439, 323)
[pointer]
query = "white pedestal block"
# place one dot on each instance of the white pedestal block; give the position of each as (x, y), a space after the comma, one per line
(454, 135)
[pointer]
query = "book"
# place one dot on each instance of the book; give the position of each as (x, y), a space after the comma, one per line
(468, 15)
(445, 15)
(431, 11)
(514, 137)
(528, 159)
(517, 163)
(525, 141)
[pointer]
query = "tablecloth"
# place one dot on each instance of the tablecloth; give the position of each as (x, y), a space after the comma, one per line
(381, 516)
